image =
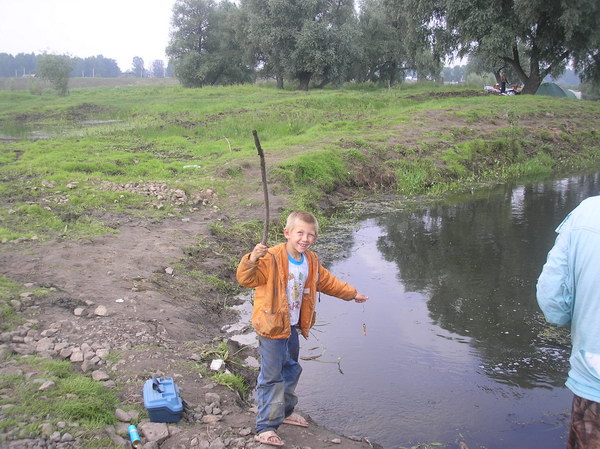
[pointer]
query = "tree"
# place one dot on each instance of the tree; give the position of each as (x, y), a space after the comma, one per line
(534, 38)
(158, 68)
(138, 66)
(303, 40)
(55, 69)
(207, 43)
(384, 54)
(95, 66)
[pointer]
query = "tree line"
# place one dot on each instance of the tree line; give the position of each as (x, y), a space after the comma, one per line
(24, 64)
(314, 43)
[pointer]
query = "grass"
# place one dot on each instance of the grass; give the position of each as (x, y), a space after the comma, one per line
(76, 398)
(9, 296)
(233, 381)
(66, 183)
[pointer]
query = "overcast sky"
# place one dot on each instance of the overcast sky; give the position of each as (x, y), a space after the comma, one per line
(117, 29)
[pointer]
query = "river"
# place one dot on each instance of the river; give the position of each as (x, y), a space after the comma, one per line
(451, 345)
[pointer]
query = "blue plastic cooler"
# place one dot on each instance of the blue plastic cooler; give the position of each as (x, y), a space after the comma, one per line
(162, 400)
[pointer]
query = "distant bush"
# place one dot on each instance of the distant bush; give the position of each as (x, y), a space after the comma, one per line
(481, 80)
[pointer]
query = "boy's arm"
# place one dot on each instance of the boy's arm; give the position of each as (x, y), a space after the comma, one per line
(332, 286)
(251, 271)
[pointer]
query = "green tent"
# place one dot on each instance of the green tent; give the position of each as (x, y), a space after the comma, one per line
(554, 90)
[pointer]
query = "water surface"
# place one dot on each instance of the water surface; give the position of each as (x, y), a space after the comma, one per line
(456, 348)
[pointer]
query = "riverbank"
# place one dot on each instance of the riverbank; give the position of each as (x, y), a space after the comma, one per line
(120, 238)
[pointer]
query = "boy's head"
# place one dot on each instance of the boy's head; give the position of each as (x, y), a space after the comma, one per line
(301, 229)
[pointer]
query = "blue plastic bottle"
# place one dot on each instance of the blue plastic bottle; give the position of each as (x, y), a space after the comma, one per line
(134, 436)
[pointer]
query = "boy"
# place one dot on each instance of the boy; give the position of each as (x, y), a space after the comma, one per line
(286, 278)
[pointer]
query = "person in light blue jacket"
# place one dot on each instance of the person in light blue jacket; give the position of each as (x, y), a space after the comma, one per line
(568, 292)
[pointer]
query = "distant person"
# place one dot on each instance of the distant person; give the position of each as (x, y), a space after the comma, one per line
(568, 292)
(503, 82)
(287, 278)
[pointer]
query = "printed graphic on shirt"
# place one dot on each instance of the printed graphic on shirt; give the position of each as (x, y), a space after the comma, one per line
(297, 275)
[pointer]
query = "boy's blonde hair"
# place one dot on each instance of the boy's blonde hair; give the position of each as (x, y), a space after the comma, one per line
(301, 215)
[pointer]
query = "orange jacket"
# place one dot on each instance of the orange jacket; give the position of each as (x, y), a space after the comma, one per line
(269, 276)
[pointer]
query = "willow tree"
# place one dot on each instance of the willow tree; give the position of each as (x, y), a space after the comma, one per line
(207, 43)
(303, 40)
(534, 38)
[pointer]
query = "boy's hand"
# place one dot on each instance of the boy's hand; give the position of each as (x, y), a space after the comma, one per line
(360, 297)
(259, 251)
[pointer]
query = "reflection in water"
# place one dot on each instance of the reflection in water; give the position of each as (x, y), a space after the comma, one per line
(456, 348)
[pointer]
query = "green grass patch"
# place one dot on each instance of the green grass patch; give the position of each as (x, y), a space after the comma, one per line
(74, 398)
(316, 143)
(9, 291)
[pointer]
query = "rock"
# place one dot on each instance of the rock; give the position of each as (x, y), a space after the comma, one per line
(48, 385)
(237, 443)
(78, 311)
(102, 353)
(252, 362)
(46, 429)
(336, 441)
(55, 437)
(249, 339)
(133, 415)
(155, 432)
(101, 311)
(122, 415)
(100, 376)
(150, 445)
(116, 439)
(245, 431)
(8, 370)
(67, 437)
(123, 429)
(66, 353)
(169, 270)
(217, 443)
(49, 332)
(210, 419)
(217, 364)
(76, 355)
(87, 365)
(212, 398)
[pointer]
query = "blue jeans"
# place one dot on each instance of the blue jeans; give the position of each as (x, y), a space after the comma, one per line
(277, 380)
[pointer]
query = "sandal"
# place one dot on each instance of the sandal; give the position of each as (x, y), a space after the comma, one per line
(296, 420)
(269, 437)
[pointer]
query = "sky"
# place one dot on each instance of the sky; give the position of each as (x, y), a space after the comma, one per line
(117, 29)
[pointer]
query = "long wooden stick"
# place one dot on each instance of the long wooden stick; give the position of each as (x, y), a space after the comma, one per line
(263, 171)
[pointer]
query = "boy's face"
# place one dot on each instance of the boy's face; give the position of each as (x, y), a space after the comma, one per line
(300, 237)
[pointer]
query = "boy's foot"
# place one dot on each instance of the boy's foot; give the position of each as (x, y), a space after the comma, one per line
(296, 420)
(269, 437)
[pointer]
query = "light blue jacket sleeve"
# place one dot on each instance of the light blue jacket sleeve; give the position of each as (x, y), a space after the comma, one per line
(554, 286)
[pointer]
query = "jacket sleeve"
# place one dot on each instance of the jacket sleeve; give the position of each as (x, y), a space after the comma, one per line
(251, 274)
(332, 286)
(554, 291)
